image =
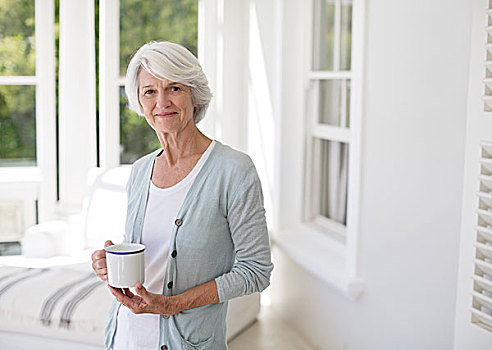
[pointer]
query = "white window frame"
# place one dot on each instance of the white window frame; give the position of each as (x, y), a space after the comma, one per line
(38, 182)
(347, 234)
(323, 247)
(324, 132)
(109, 83)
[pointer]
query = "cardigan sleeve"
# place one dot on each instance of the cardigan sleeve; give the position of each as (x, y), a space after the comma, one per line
(246, 217)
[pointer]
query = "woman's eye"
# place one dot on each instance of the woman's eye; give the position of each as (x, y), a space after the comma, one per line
(175, 88)
(148, 92)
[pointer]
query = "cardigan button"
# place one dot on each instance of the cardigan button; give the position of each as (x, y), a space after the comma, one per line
(166, 316)
(178, 222)
(174, 253)
(170, 285)
(164, 347)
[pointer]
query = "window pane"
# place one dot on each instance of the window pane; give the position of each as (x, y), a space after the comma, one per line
(137, 138)
(333, 182)
(347, 103)
(17, 55)
(17, 125)
(323, 34)
(346, 35)
(334, 102)
(143, 21)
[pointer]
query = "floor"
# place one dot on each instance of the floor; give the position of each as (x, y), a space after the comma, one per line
(269, 332)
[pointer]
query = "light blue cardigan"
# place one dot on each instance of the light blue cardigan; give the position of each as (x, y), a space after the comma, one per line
(220, 233)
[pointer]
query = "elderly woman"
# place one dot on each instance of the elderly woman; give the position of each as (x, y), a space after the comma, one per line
(196, 205)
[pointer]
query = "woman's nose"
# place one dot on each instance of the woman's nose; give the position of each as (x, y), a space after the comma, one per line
(163, 100)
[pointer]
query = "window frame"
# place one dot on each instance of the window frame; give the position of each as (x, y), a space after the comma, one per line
(319, 247)
(41, 179)
(317, 131)
(109, 83)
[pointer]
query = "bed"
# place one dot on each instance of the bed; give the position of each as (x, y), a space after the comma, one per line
(51, 299)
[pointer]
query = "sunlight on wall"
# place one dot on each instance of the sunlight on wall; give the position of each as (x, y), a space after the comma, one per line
(261, 132)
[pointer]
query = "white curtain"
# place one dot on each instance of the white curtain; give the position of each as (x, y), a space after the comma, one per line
(334, 180)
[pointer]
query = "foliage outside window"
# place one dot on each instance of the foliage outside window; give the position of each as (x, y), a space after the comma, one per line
(17, 83)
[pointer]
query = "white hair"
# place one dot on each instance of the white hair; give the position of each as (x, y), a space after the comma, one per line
(167, 60)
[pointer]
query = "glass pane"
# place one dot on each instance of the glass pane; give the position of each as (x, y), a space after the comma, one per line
(346, 35)
(329, 102)
(323, 34)
(143, 21)
(347, 103)
(333, 184)
(17, 44)
(17, 125)
(137, 138)
(334, 102)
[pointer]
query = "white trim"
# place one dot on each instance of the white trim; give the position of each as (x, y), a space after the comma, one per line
(24, 80)
(109, 83)
(329, 75)
(336, 34)
(20, 174)
(277, 107)
(321, 247)
(46, 106)
(332, 133)
(232, 75)
(321, 256)
(77, 100)
(208, 37)
(355, 149)
(310, 149)
(343, 107)
(336, 230)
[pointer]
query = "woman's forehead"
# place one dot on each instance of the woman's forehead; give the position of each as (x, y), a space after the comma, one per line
(146, 78)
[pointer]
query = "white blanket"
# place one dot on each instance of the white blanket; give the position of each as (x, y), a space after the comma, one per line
(61, 298)
(64, 302)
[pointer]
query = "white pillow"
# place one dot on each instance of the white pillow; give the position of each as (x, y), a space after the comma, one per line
(44, 240)
(105, 208)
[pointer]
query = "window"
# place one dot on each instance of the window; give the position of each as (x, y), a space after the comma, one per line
(28, 107)
(18, 84)
(330, 133)
(138, 23)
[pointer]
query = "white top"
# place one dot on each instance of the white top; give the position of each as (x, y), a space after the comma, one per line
(142, 331)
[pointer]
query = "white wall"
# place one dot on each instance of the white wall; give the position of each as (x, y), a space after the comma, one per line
(417, 55)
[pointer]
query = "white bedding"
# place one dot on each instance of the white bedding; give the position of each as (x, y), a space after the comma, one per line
(58, 301)
(49, 303)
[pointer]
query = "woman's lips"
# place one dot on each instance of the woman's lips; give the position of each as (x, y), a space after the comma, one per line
(165, 115)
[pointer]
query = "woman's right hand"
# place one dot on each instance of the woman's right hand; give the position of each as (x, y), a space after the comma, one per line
(99, 262)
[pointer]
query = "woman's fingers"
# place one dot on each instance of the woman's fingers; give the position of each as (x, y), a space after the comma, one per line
(128, 292)
(131, 301)
(140, 289)
(99, 262)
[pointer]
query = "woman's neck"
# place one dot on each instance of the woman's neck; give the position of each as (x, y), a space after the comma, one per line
(181, 145)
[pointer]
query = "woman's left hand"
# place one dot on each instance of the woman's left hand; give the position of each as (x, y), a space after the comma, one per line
(144, 301)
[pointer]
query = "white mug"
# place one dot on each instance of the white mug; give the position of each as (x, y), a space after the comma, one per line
(126, 264)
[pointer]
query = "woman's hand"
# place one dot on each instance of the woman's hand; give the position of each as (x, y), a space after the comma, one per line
(99, 262)
(145, 302)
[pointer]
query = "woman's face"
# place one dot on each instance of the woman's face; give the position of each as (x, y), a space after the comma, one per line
(167, 106)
